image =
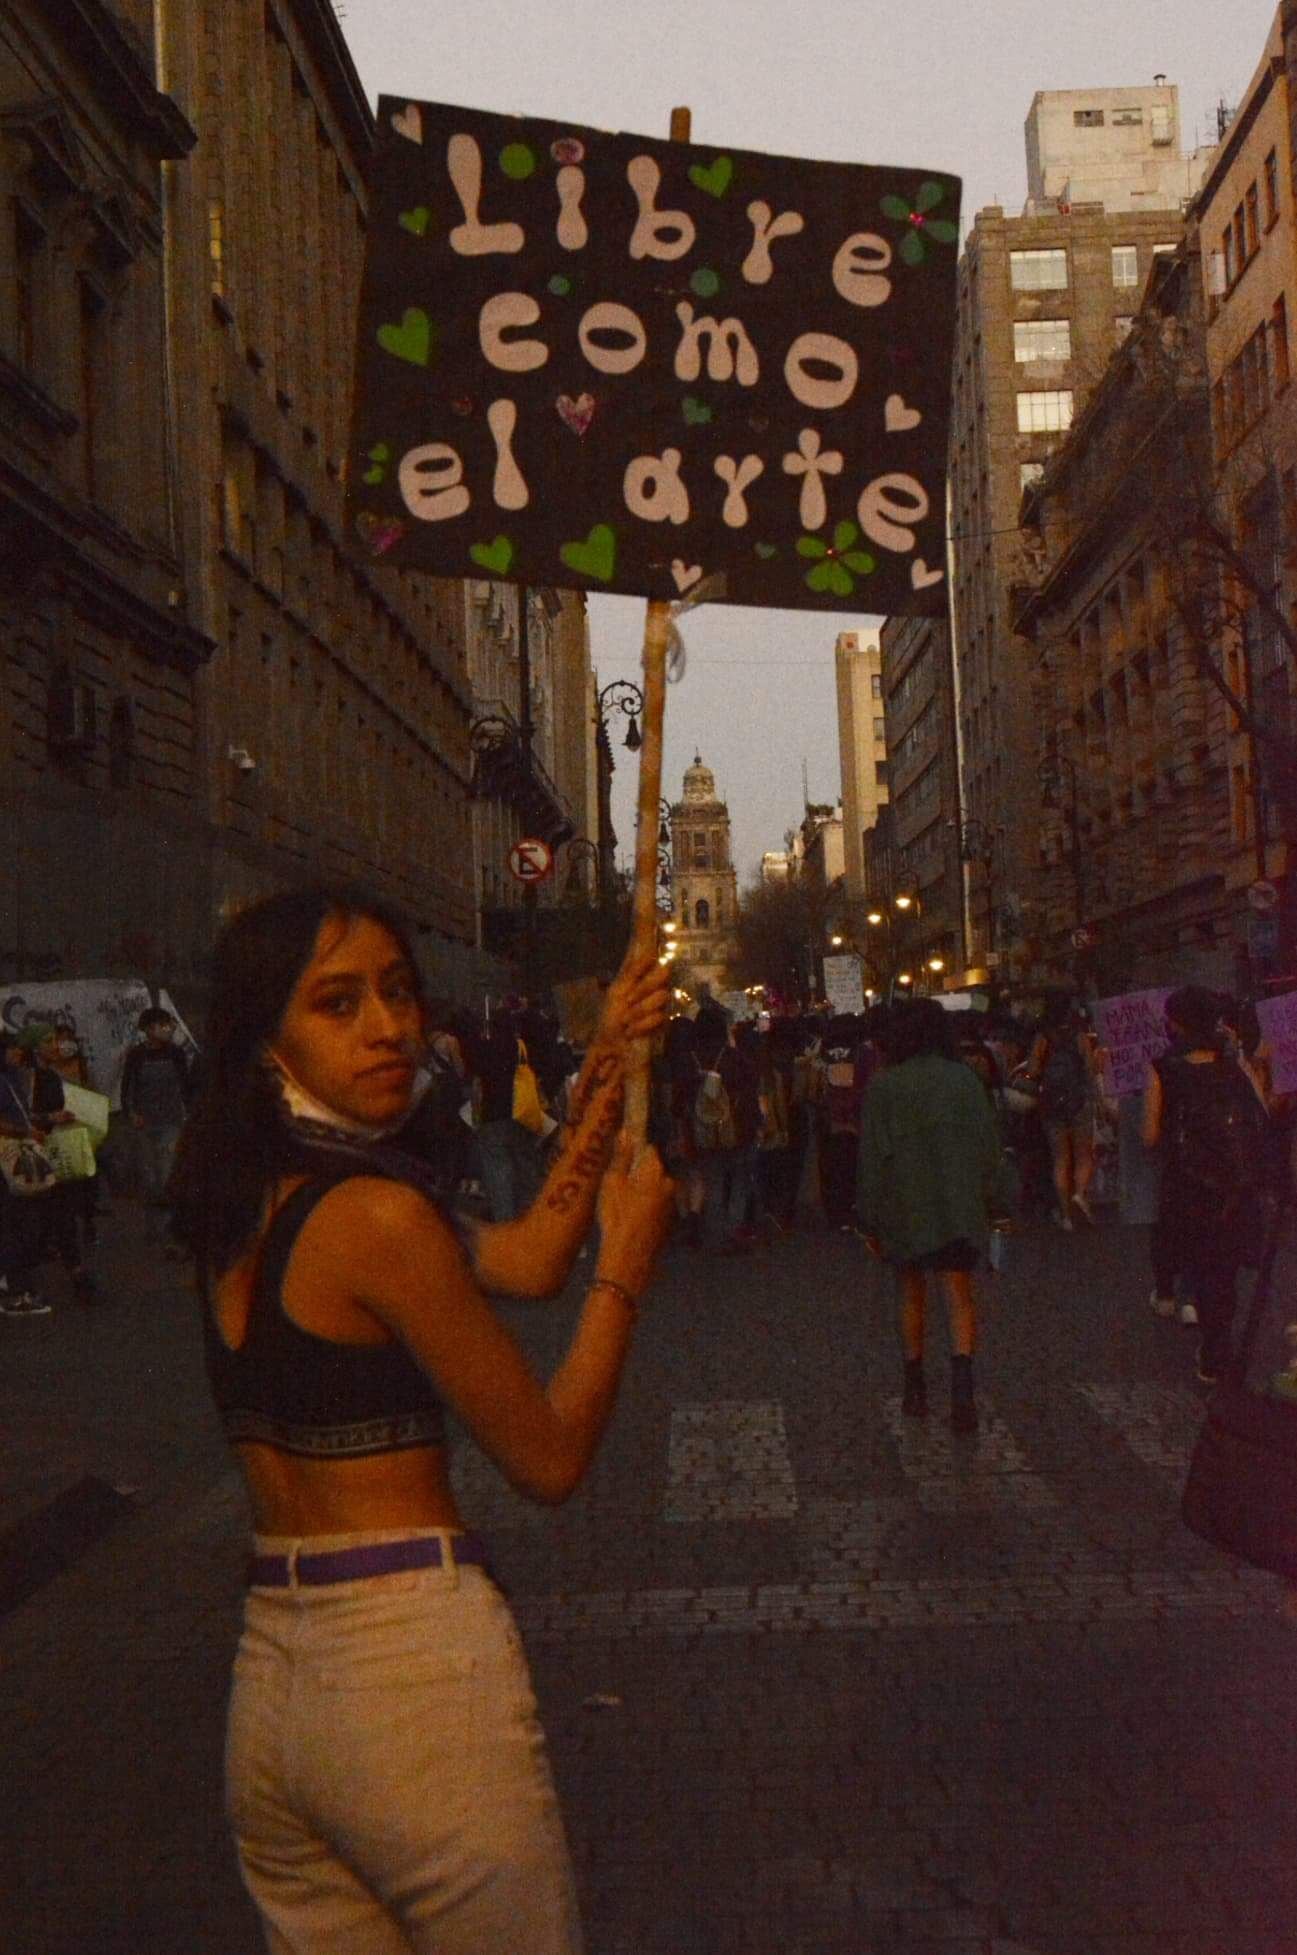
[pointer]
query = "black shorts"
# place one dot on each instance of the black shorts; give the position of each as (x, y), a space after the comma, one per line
(960, 1254)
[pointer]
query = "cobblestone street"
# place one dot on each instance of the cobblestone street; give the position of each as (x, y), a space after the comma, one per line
(817, 1681)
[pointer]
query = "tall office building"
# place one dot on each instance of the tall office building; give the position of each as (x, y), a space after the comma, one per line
(1043, 300)
(862, 747)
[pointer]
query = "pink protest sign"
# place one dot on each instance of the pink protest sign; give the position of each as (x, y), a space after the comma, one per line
(1132, 1031)
(1278, 1021)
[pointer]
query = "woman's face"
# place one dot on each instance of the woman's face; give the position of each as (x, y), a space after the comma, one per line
(353, 1025)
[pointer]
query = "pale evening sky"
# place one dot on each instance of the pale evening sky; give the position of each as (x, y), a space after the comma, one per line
(943, 84)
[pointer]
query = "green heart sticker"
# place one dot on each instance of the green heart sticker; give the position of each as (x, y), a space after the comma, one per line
(767, 550)
(495, 556)
(715, 178)
(705, 282)
(560, 286)
(380, 455)
(416, 220)
(517, 161)
(697, 413)
(596, 557)
(411, 340)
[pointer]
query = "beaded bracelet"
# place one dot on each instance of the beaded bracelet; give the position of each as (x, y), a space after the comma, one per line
(618, 1290)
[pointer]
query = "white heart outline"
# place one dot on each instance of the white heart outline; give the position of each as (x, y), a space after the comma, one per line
(408, 122)
(686, 575)
(921, 578)
(898, 418)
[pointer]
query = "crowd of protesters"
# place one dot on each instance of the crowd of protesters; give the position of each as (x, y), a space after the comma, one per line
(925, 1132)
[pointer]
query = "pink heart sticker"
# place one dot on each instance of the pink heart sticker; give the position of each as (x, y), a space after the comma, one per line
(576, 414)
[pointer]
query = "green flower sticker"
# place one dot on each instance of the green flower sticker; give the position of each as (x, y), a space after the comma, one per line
(835, 564)
(913, 248)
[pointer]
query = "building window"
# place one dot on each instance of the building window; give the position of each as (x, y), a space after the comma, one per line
(703, 914)
(1271, 189)
(90, 400)
(121, 743)
(1049, 413)
(1121, 327)
(1088, 118)
(1128, 118)
(1227, 256)
(1038, 271)
(1125, 265)
(216, 244)
(700, 852)
(1240, 241)
(28, 240)
(1279, 342)
(875, 685)
(1160, 123)
(1029, 473)
(1253, 220)
(880, 729)
(880, 773)
(1041, 339)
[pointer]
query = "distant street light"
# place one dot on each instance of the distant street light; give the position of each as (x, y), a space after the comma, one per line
(905, 978)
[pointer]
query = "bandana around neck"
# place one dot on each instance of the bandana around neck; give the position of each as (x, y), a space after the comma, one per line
(311, 1118)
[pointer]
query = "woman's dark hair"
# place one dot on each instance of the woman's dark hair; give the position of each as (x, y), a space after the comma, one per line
(1196, 1012)
(1059, 1013)
(916, 1028)
(235, 1142)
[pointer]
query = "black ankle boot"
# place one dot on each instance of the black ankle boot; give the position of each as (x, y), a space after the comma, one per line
(963, 1410)
(914, 1399)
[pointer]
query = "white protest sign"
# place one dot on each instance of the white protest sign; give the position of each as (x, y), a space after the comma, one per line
(843, 984)
(1278, 1021)
(1132, 1031)
(102, 1012)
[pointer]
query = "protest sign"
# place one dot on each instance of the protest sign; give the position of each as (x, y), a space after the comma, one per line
(102, 1012)
(1132, 1031)
(621, 364)
(1278, 1020)
(843, 985)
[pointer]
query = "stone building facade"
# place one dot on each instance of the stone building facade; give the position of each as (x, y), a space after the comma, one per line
(704, 886)
(925, 828)
(1132, 738)
(530, 738)
(862, 747)
(336, 714)
(1043, 301)
(101, 644)
(1249, 271)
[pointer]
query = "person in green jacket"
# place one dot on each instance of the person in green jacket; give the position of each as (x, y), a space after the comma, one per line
(932, 1178)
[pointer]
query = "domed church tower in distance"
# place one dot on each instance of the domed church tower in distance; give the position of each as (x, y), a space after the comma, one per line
(704, 888)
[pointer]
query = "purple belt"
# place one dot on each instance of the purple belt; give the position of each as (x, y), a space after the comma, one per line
(357, 1564)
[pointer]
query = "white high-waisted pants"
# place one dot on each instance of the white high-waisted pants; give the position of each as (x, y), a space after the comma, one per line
(386, 1772)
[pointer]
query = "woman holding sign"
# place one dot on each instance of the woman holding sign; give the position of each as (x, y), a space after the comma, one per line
(387, 1778)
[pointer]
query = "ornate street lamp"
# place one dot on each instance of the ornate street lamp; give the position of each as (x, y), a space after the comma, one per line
(625, 697)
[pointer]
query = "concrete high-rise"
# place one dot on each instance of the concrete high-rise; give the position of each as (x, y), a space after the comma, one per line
(862, 747)
(1043, 299)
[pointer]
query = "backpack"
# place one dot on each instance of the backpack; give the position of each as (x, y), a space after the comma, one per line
(713, 1115)
(1064, 1081)
(1216, 1134)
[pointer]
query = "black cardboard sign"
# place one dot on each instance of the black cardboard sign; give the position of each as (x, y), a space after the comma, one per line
(624, 365)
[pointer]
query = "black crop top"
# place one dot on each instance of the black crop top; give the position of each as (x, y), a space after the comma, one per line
(300, 1393)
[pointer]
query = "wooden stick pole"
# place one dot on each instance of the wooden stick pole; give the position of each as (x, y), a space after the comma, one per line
(644, 926)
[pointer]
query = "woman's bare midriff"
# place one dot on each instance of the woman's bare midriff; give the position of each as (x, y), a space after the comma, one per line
(297, 1496)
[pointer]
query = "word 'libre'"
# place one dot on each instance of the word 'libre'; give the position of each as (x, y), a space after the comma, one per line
(859, 266)
(432, 486)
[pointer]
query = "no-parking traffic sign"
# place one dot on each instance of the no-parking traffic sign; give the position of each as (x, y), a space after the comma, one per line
(531, 860)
